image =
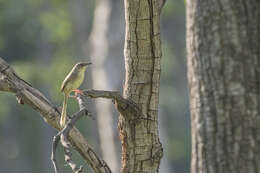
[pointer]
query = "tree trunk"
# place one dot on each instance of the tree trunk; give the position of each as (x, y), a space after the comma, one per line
(141, 148)
(223, 45)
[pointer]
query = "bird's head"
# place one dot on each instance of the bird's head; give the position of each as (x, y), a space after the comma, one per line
(82, 65)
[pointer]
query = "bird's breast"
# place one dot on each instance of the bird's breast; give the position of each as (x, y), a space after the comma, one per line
(76, 82)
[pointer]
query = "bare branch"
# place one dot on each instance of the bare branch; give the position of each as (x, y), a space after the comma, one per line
(125, 106)
(55, 142)
(63, 137)
(10, 82)
(73, 165)
(65, 143)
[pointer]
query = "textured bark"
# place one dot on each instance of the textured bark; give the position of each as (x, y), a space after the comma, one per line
(141, 148)
(223, 45)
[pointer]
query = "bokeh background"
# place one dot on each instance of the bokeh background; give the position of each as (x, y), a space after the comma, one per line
(43, 39)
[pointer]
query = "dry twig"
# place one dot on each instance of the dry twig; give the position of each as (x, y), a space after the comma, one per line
(62, 136)
(26, 94)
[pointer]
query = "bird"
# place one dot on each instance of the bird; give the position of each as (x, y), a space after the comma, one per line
(71, 83)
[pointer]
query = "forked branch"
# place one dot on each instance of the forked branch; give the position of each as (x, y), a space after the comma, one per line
(25, 93)
(62, 136)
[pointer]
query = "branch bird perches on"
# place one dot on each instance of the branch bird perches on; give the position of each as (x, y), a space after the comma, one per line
(26, 94)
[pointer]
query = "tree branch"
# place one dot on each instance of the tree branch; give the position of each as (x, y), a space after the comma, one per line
(55, 142)
(25, 93)
(63, 137)
(126, 107)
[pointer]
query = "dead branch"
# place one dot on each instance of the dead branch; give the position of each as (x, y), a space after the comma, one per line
(125, 106)
(11, 82)
(55, 142)
(62, 136)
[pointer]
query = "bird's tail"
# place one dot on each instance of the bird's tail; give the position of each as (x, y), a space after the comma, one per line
(64, 110)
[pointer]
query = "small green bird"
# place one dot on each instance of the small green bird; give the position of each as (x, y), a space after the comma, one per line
(72, 81)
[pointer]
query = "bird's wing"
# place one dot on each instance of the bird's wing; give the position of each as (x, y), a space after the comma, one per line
(64, 83)
(68, 79)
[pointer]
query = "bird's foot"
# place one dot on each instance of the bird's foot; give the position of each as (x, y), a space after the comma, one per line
(77, 91)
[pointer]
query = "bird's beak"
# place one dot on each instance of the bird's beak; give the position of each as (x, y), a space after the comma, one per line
(86, 63)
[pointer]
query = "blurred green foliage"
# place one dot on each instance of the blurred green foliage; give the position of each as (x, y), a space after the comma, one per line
(174, 105)
(36, 39)
(57, 26)
(39, 38)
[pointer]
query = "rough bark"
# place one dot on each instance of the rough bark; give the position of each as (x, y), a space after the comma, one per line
(99, 54)
(223, 46)
(141, 148)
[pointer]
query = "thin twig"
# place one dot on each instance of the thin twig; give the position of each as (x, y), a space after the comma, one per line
(62, 136)
(55, 141)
